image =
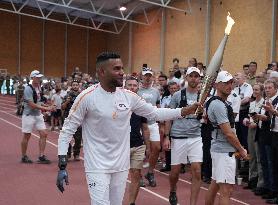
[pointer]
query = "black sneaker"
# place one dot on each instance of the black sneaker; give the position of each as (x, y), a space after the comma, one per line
(25, 159)
(272, 201)
(151, 179)
(269, 195)
(43, 160)
(173, 200)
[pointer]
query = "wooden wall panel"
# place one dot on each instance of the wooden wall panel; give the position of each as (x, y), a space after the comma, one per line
(97, 44)
(8, 42)
(54, 49)
(146, 43)
(250, 38)
(76, 49)
(119, 43)
(31, 44)
(185, 34)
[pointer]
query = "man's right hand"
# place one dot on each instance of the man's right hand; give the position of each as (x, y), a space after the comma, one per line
(190, 109)
(62, 173)
(61, 178)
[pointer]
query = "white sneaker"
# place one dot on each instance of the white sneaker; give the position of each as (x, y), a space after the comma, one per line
(146, 165)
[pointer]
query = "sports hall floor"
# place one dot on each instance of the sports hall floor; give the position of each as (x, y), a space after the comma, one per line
(34, 184)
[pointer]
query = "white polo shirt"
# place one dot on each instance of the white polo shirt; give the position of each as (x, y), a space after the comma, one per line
(235, 101)
(105, 119)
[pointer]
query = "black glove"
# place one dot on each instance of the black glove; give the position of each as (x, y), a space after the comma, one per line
(62, 173)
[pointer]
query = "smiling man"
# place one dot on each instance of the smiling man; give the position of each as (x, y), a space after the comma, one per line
(104, 112)
(224, 142)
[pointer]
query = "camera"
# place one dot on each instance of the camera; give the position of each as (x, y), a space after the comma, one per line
(253, 114)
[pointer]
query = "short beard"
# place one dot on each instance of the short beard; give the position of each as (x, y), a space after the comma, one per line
(192, 85)
(116, 83)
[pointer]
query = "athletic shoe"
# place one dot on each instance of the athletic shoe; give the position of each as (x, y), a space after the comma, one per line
(151, 179)
(173, 200)
(270, 195)
(272, 201)
(43, 160)
(25, 159)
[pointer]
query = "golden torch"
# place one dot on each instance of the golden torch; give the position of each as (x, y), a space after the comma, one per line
(214, 65)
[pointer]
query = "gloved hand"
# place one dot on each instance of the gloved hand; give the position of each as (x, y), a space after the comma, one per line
(62, 173)
(62, 176)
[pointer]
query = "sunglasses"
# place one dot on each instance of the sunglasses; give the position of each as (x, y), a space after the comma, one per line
(147, 69)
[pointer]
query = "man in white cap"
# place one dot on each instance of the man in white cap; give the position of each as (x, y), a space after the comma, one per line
(186, 142)
(33, 118)
(151, 95)
(224, 143)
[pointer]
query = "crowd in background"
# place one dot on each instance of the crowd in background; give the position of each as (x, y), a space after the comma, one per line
(255, 126)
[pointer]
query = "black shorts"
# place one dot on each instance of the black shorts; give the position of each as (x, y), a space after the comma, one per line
(57, 113)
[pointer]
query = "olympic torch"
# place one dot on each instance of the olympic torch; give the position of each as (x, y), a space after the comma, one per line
(214, 65)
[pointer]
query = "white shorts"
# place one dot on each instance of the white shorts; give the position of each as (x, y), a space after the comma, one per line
(107, 188)
(223, 168)
(154, 132)
(29, 122)
(184, 150)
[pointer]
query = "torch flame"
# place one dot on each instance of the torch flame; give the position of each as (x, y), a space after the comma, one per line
(229, 24)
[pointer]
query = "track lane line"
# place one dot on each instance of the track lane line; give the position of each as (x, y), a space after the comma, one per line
(182, 180)
(55, 145)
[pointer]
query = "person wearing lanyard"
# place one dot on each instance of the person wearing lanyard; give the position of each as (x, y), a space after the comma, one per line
(255, 169)
(272, 108)
(245, 91)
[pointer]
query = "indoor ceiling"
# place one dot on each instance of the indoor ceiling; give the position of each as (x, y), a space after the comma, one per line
(102, 15)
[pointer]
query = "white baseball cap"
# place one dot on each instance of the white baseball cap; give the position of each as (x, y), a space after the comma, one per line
(191, 70)
(147, 70)
(223, 76)
(36, 74)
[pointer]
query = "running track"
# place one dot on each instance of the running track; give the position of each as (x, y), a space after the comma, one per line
(34, 184)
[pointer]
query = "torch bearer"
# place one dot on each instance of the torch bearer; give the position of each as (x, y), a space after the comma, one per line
(214, 65)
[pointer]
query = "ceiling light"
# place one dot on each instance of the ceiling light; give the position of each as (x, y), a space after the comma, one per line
(122, 8)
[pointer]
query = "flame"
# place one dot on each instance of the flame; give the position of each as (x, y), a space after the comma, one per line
(230, 23)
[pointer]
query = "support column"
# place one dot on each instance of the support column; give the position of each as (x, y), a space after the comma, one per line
(43, 46)
(162, 40)
(130, 48)
(19, 46)
(273, 31)
(66, 51)
(87, 50)
(207, 32)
